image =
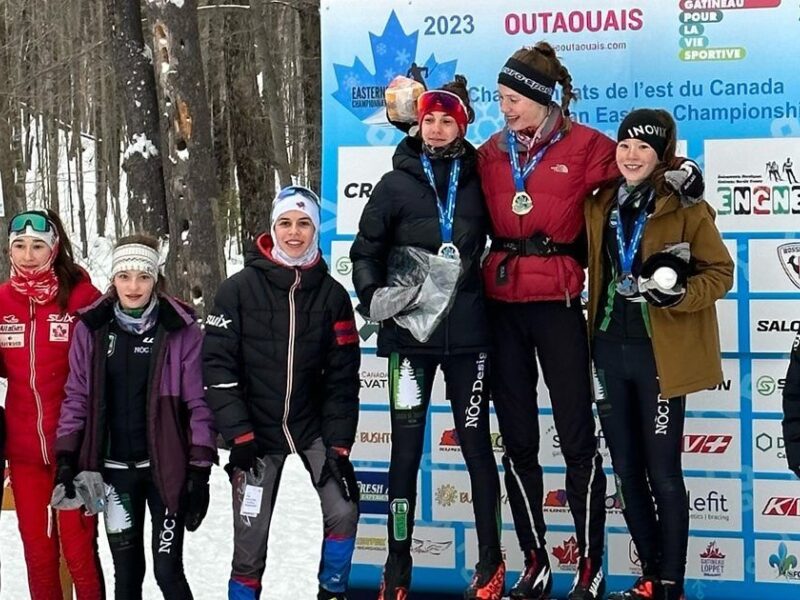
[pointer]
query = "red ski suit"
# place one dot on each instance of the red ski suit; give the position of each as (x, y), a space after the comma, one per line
(34, 346)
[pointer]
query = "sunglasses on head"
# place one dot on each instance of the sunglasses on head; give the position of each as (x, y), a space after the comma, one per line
(34, 219)
(441, 100)
(299, 190)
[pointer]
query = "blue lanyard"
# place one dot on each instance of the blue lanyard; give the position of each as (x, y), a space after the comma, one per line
(520, 175)
(627, 252)
(447, 211)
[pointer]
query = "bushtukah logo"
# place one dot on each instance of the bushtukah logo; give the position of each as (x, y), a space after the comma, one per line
(393, 53)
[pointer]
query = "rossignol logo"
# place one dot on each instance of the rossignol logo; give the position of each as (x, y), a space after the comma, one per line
(789, 256)
(706, 444)
(218, 321)
(782, 506)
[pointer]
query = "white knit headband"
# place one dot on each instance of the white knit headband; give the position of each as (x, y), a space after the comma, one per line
(135, 257)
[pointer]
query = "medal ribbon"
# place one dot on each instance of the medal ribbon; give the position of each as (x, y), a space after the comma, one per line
(446, 211)
(627, 252)
(521, 174)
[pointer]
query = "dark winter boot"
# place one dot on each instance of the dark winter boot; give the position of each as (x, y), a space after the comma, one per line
(672, 591)
(396, 578)
(536, 580)
(589, 581)
(645, 588)
(324, 594)
(489, 581)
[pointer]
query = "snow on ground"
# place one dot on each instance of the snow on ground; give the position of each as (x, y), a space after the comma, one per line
(292, 558)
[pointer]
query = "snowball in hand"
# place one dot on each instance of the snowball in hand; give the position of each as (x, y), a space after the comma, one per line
(665, 278)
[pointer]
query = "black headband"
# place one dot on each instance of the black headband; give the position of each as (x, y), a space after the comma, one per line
(644, 124)
(527, 81)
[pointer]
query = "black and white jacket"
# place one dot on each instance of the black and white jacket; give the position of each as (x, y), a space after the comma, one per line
(281, 355)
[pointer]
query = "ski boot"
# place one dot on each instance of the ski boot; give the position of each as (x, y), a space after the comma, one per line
(536, 579)
(489, 580)
(589, 581)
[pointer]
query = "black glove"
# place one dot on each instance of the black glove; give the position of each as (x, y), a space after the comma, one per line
(653, 293)
(339, 468)
(66, 472)
(687, 180)
(196, 496)
(243, 457)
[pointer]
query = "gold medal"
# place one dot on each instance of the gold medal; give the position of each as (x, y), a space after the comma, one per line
(522, 203)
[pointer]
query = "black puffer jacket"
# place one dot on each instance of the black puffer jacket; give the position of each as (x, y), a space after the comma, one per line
(402, 212)
(281, 356)
(791, 409)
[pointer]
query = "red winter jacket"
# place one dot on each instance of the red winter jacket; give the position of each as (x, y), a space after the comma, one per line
(34, 346)
(571, 169)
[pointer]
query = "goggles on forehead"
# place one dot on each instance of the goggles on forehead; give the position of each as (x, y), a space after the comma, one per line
(443, 101)
(35, 220)
(298, 190)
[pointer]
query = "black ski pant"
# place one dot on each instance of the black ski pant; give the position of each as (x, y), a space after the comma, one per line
(644, 433)
(555, 333)
(131, 489)
(466, 382)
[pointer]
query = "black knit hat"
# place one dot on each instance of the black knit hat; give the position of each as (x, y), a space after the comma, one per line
(644, 124)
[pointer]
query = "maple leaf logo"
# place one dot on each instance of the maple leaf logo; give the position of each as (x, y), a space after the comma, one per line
(393, 52)
(568, 553)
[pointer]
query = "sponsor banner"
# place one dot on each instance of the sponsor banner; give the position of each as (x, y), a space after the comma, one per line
(778, 561)
(367, 330)
(769, 450)
(374, 378)
(373, 436)
(510, 546)
(751, 183)
(445, 443)
(341, 267)
(773, 325)
(452, 497)
(726, 397)
(360, 168)
(550, 444)
(727, 315)
(564, 551)
(776, 506)
(374, 489)
(712, 445)
(732, 250)
(554, 502)
(775, 265)
(714, 504)
(623, 559)
(768, 379)
(430, 546)
(720, 559)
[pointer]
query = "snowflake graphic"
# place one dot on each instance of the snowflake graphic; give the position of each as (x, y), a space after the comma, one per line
(446, 495)
(393, 53)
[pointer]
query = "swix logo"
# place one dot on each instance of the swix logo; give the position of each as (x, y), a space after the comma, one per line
(782, 506)
(706, 444)
(567, 553)
(218, 321)
(10, 319)
(65, 318)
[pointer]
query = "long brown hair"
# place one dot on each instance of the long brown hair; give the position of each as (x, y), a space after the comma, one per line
(542, 57)
(160, 286)
(67, 271)
(667, 161)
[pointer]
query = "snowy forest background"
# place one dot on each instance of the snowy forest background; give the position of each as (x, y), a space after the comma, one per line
(178, 118)
(172, 117)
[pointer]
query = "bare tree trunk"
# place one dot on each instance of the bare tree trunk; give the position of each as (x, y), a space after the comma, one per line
(147, 206)
(254, 171)
(310, 60)
(195, 257)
